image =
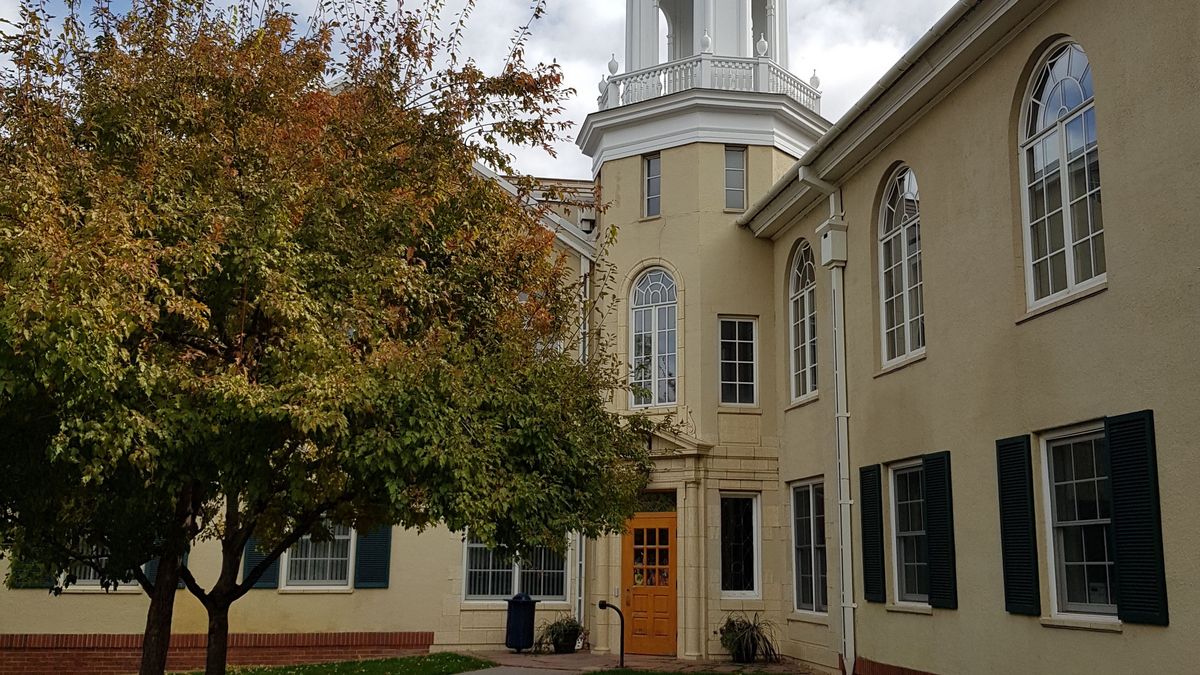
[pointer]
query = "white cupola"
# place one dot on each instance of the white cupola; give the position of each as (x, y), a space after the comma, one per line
(734, 27)
(725, 79)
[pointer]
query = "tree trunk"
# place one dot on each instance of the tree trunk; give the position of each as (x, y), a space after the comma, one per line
(218, 639)
(156, 641)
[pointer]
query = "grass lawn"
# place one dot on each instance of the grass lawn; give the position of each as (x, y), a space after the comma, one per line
(444, 663)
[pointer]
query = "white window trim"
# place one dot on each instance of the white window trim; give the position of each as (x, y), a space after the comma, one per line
(745, 177)
(756, 513)
(569, 562)
(351, 563)
(910, 354)
(654, 343)
(810, 482)
(646, 196)
(796, 396)
(892, 469)
(721, 318)
(1044, 441)
(1073, 289)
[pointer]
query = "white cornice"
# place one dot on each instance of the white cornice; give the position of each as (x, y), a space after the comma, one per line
(699, 116)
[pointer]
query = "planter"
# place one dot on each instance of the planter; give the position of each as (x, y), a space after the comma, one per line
(745, 651)
(566, 642)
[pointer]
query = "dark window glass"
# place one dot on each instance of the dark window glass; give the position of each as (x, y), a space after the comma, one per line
(737, 544)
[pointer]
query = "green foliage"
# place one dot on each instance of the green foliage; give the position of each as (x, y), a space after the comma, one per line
(748, 639)
(235, 299)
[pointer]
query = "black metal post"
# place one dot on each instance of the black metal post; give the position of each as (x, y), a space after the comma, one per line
(604, 604)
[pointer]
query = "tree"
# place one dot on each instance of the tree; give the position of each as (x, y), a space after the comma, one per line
(250, 284)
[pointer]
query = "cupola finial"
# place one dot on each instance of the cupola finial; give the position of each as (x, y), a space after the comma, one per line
(762, 45)
(613, 65)
(706, 43)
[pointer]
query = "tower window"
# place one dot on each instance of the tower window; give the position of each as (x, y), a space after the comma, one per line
(735, 178)
(653, 171)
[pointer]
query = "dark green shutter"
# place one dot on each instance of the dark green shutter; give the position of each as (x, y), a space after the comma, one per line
(870, 491)
(253, 556)
(373, 555)
(1137, 521)
(1018, 534)
(26, 575)
(939, 531)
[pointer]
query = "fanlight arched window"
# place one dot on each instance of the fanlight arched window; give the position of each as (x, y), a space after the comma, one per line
(803, 311)
(654, 333)
(1064, 228)
(901, 290)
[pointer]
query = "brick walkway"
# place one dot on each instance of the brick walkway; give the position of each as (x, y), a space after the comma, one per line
(509, 663)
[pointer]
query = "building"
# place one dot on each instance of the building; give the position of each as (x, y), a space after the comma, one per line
(948, 435)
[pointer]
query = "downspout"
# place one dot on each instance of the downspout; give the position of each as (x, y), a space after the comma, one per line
(832, 234)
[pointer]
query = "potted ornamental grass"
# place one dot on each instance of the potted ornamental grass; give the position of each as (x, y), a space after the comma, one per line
(748, 639)
(561, 635)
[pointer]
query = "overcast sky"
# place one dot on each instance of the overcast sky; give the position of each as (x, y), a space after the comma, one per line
(850, 43)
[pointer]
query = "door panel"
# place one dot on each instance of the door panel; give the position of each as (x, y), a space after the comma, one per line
(648, 579)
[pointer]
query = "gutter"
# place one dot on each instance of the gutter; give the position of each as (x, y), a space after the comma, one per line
(809, 158)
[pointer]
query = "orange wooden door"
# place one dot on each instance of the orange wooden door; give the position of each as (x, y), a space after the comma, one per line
(648, 578)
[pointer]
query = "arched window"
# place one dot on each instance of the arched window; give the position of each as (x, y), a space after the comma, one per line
(901, 296)
(803, 312)
(654, 333)
(1064, 229)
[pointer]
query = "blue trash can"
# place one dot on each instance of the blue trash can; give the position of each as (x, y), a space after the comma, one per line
(519, 630)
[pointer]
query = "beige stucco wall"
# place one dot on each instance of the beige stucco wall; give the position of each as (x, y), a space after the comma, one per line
(425, 593)
(719, 271)
(992, 372)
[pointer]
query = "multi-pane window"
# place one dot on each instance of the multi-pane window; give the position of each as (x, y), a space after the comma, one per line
(803, 311)
(739, 570)
(901, 295)
(652, 166)
(323, 562)
(808, 510)
(497, 575)
(735, 178)
(737, 362)
(912, 567)
(1064, 233)
(654, 348)
(1082, 523)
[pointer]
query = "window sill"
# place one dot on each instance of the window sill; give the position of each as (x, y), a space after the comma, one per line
(131, 588)
(909, 608)
(798, 616)
(647, 219)
(731, 409)
(803, 401)
(733, 210)
(1071, 299)
(1095, 624)
(502, 605)
(668, 409)
(315, 591)
(901, 364)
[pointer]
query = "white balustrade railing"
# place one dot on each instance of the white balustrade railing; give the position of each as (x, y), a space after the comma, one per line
(706, 71)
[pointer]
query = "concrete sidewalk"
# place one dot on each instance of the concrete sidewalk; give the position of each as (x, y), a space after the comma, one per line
(509, 663)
